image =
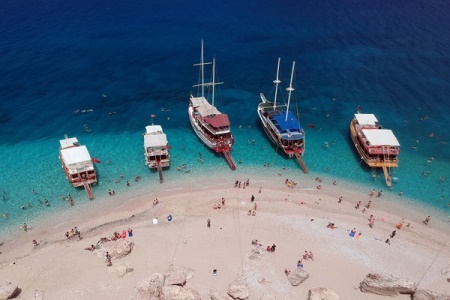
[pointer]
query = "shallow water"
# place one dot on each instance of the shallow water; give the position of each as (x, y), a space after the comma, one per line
(134, 60)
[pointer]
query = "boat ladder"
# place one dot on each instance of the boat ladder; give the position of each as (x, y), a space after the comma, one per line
(387, 176)
(229, 160)
(302, 163)
(160, 172)
(87, 187)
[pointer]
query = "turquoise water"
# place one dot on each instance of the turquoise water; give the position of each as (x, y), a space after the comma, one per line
(137, 59)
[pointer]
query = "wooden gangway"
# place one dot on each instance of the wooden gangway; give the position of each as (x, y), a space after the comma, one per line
(160, 172)
(302, 163)
(229, 160)
(387, 176)
(87, 187)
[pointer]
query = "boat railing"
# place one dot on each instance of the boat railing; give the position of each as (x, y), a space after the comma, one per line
(213, 130)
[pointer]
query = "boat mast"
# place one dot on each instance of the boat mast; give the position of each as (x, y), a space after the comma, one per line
(213, 79)
(277, 82)
(202, 71)
(290, 89)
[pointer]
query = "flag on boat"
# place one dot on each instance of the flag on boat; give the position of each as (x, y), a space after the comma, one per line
(95, 160)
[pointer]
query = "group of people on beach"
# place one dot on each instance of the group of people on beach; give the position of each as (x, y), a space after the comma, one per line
(73, 232)
(220, 205)
(290, 183)
(238, 183)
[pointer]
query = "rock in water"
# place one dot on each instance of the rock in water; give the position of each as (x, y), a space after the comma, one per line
(238, 290)
(177, 275)
(321, 293)
(387, 286)
(297, 277)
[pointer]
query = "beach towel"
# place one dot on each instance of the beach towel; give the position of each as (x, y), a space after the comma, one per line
(155, 221)
(352, 234)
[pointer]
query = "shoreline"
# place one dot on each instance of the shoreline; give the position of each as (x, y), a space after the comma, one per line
(300, 225)
(281, 218)
(409, 208)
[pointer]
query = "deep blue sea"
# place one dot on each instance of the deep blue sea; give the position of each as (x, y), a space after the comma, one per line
(126, 60)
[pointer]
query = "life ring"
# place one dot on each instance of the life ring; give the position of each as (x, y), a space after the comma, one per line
(169, 218)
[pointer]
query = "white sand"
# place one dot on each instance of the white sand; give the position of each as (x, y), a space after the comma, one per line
(64, 270)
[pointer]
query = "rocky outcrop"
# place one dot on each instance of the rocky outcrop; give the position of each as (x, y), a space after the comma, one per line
(120, 248)
(9, 291)
(429, 295)
(38, 295)
(298, 276)
(120, 271)
(446, 271)
(238, 290)
(256, 253)
(177, 275)
(269, 297)
(215, 295)
(171, 286)
(387, 286)
(176, 292)
(321, 293)
(150, 288)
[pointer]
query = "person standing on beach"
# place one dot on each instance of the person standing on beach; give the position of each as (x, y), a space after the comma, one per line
(371, 221)
(427, 219)
(253, 198)
(208, 223)
(393, 233)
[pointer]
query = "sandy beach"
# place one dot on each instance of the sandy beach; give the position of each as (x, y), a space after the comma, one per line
(295, 219)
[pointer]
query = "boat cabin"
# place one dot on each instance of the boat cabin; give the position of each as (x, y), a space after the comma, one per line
(77, 162)
(156, 147)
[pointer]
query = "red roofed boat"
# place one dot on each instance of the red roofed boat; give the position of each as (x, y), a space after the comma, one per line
(209, 124)
(378, 147)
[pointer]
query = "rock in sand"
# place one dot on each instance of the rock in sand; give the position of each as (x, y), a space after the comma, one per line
(321, 293)
(386, 285)
(9, 291)
(297, 277)
(177, 275)
(238, 290)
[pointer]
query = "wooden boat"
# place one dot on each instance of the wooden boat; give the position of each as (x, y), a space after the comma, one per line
(156, 149)
(78, 164)
(378, 147)
(281, 125)
(210, 125)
